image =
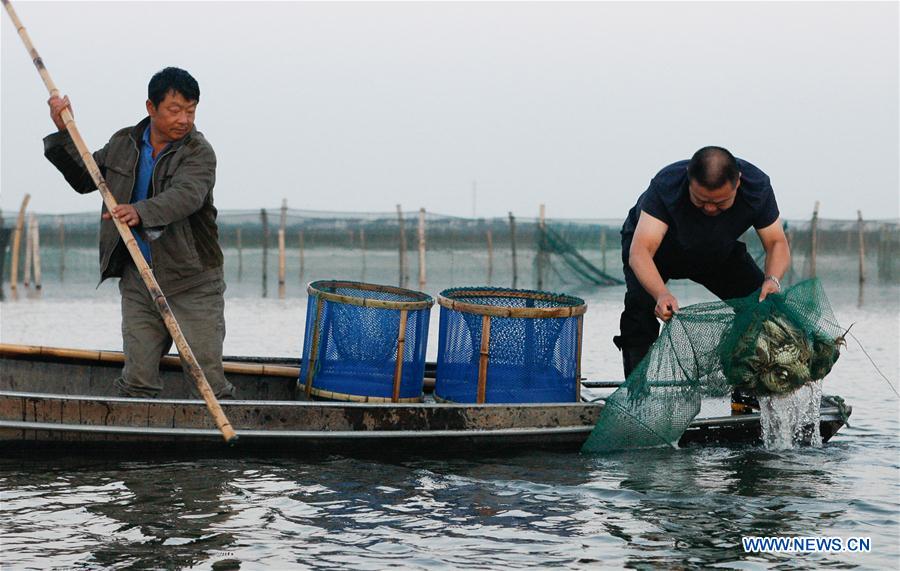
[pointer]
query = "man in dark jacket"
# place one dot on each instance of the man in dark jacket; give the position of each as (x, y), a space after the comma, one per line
(161, 172)
(686, 225)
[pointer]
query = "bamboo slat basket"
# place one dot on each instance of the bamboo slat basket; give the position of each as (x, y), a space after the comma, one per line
(365, 342)
(509, 346)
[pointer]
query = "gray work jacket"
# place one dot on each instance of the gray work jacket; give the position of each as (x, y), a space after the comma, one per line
(178, 215)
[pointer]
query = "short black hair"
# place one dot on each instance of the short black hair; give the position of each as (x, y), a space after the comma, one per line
(172, 79)
(712, 167)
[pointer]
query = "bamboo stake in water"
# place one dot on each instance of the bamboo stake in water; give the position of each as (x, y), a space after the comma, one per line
(62, 249)
(190, 361)
(302, 255)
(265, 251)
(281, 252)
(862, 254)
(29, 250)
(512, 240)
(603, 248)
(813, 237)
(421, 248)
(362, 245)
(861, 228)
(490, 246)
(542, 247)
(36, 256)
(402, 277)
(240, 250)
(17, 242)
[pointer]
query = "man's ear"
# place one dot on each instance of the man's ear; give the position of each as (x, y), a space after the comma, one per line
(738, 184)
(151, 110)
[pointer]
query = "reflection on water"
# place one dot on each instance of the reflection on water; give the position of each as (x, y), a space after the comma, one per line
(672, 508)
(649, 508)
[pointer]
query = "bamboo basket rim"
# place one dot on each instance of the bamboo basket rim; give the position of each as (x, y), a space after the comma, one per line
(425, 301)
(347, 397)
(572, 306)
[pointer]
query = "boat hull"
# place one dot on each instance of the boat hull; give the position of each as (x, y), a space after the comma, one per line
(66, 403)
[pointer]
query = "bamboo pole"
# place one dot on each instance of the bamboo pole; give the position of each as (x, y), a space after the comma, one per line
(17, 241)
(398, 368)
(29, 250)
(813, 237)
(240, 249)
(118, 357)
(484, 358)
(490, 247)
(62, 248)
(861, 229)
(512, 240)
(190, 361)
(281, 252)
(402, 277)
(421, 248)
(36, 246)
(264, 218)
(302, 256)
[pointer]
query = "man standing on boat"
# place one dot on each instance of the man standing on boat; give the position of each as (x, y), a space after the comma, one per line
(161, 172)
(686, 225)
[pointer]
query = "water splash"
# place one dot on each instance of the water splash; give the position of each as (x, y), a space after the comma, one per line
(792, 419)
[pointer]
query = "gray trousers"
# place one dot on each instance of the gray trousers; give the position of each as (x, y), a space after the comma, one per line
(200, 312)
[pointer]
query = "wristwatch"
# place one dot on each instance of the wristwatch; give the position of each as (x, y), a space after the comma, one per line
(774, 279)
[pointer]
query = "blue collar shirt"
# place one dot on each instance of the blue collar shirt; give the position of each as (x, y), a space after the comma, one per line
(142, 182)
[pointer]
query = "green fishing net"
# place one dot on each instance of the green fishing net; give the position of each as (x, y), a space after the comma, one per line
(709, 349)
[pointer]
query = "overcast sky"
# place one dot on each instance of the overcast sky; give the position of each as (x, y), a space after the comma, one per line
(360, 106)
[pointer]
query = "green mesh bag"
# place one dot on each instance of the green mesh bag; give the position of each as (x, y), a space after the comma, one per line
(709, 349)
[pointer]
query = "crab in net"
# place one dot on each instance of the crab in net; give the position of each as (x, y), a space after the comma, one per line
(775, 356)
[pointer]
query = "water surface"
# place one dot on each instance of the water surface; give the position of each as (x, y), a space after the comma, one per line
(671, 508)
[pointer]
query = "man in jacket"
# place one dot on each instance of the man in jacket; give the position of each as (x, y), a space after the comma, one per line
(161, 172)
(686, 225)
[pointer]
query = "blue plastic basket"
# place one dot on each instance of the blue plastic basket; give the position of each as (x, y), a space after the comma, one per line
(508, 346)
(364, 342)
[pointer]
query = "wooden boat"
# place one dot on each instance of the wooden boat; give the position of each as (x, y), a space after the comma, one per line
(64, 398)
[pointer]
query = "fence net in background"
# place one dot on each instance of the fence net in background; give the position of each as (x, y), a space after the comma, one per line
(567, 255)
(787, 341)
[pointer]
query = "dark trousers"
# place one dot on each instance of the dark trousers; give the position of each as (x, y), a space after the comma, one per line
(736, 276)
